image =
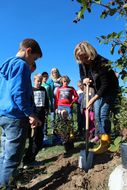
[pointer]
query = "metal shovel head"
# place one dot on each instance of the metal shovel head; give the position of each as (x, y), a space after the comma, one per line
(85, 160)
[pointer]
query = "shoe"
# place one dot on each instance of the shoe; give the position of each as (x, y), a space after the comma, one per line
(45, 138)
(105, 137)
(33, 164)
(25, 167)
(101, 148)
(95, 139)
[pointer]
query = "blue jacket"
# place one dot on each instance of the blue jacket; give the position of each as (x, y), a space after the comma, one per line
(16, 97)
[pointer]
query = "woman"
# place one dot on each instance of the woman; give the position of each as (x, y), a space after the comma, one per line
(94, 69)
(54, 82)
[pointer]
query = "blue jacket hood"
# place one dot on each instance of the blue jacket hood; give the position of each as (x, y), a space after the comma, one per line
(5, 69)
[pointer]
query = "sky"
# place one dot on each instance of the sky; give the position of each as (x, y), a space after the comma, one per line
(50, 22)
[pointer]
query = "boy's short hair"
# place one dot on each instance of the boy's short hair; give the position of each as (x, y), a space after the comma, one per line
(33, 44)
(44, 73)
(38, 76)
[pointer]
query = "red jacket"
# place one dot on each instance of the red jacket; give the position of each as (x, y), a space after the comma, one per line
(65, 96)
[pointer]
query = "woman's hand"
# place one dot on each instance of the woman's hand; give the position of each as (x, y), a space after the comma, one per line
(91, 101)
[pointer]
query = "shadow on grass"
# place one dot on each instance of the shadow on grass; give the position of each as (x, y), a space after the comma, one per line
(57, 179)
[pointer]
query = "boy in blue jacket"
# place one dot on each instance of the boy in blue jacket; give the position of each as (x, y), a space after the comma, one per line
(16, 108)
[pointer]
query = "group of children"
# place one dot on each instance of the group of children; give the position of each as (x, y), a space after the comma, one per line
(54, 95)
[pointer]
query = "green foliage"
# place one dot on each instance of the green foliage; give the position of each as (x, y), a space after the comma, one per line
(115, 39)
(118, 41)
(122, 115)
(120, 125)
(117, 140)
(115, 146)
(64, 128)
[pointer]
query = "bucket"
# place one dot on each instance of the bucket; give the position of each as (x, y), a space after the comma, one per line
(123, 150)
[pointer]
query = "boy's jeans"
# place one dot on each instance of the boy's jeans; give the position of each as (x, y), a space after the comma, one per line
(102, 109)
(52, 117)
(13, 138)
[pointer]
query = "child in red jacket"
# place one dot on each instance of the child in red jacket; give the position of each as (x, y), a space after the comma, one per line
(66, 96)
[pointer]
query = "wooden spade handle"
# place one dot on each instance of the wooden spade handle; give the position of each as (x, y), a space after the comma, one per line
(87, 111)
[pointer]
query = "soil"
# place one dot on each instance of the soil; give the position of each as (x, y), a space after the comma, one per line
(63, 173)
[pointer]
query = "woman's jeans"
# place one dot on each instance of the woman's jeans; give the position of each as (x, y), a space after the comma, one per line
(102, 109)
(13, 138)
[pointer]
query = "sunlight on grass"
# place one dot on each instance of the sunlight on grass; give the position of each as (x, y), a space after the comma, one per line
(50, 154)
(51, 151)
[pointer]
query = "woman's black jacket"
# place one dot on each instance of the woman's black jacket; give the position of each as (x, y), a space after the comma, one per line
(104, 79)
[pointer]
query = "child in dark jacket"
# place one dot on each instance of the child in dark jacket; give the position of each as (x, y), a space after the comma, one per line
(41, 108)
(80, 116)
(49, 91)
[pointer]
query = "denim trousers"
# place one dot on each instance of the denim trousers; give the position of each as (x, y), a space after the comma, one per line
(69, 109)
(13, 138)
(52, 118)
(102, 109)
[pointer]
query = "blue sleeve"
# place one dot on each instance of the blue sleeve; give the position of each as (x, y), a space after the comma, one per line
(21, 88)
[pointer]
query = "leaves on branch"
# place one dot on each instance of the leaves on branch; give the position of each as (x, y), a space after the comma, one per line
(116, 40)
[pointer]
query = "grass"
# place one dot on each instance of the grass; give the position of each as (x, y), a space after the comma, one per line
(50, 154)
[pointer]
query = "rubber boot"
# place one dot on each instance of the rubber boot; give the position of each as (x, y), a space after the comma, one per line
(103, 144)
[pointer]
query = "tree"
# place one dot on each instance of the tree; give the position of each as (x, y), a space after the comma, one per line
(117, 40)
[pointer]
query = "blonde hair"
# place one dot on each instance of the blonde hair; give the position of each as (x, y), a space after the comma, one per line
(85, 48)
(38, 76)
(66, 78)
(56, 70)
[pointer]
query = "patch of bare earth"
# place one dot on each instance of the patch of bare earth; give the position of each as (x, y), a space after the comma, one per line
(64, 174)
